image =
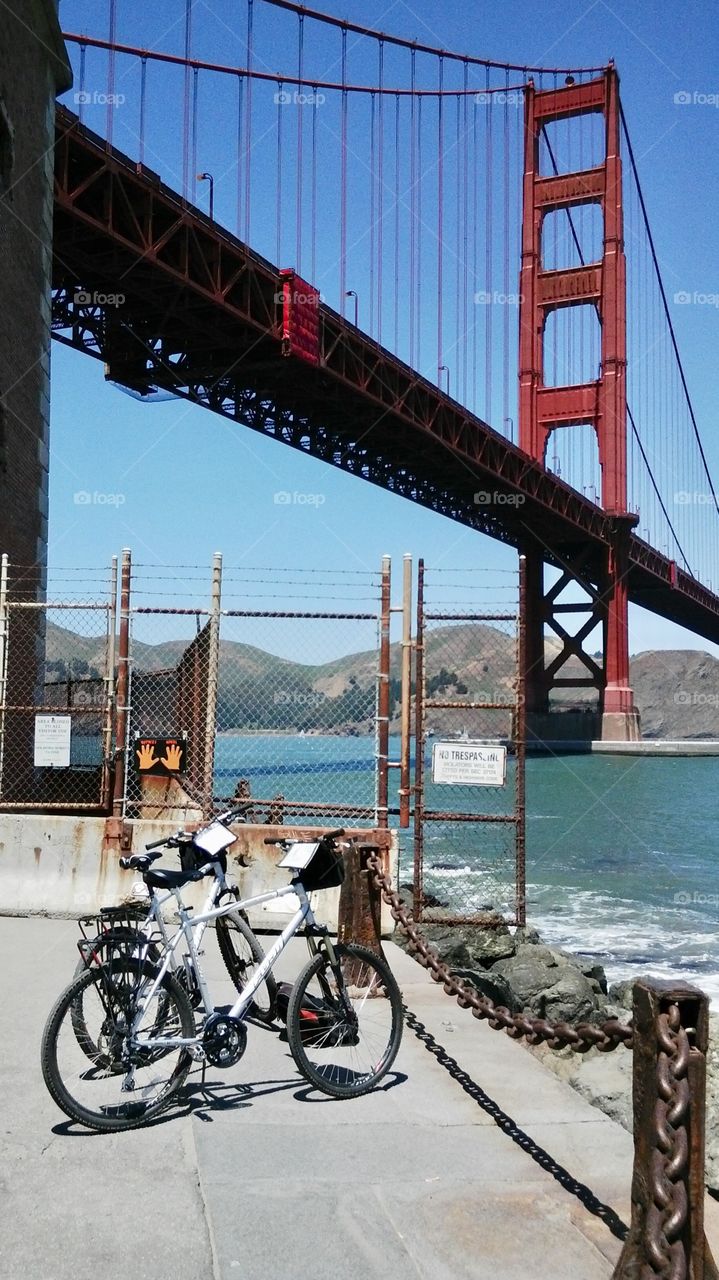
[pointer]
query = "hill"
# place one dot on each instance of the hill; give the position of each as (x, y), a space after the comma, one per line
(677, 690)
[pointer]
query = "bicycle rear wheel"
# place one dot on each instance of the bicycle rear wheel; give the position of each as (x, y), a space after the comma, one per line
(100, 1077)
(344, 1025)
(242, 953)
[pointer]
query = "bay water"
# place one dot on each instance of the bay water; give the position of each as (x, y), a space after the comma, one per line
(622, 851)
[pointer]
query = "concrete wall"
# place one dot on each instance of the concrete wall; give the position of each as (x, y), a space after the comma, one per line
(63, 867)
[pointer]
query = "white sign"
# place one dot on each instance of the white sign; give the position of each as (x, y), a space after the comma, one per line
(470, 764)
(52, 741)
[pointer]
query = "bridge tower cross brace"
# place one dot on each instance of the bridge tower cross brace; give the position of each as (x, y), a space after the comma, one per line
(601, 403)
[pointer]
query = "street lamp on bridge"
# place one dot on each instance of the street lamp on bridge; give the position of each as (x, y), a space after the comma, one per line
(351, 294)
(207, 177)
(443, 368)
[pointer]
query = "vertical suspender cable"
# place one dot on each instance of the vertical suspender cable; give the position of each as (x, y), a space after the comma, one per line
(465, 233)
(81, 106)
(195, 94)
(457, 238)
(343, 181)
(380, 189)
(248, 126)
(300, 113)
(278, 211)
(440, 217)
(111, 71)
(475, 246)
(240, 95)
(143, 103)
(372, 224)
(412, 210)
(313, 210)
(186, 104)
(488, 276)
(418, 346)
(396, 223)
(505, 287)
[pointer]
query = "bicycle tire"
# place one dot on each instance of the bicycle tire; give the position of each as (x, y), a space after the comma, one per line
(325, 1051)
(108, 1063)
(240, 959)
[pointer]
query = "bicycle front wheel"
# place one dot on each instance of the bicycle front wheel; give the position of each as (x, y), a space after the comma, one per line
(103, 1077)
(242, 953)
(344, 1023)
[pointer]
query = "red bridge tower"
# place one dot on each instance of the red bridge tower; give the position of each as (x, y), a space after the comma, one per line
(601, 403)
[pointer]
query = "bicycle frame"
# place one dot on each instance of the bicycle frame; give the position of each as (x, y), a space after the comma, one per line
(189, 925)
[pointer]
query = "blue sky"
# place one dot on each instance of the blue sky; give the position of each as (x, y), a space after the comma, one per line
(176, 483)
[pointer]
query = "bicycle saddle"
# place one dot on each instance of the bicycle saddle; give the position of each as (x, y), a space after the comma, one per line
(164, 878)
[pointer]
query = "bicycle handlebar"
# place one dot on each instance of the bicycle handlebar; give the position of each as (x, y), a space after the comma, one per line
(171, 842)
(139, 861)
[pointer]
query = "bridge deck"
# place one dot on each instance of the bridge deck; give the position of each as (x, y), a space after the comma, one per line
(201, 316)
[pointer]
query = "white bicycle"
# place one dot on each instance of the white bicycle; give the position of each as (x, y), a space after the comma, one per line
(121, 1039)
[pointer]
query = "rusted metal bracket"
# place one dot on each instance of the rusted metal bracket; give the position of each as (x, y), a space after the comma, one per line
(670, 1045)
(117, 835)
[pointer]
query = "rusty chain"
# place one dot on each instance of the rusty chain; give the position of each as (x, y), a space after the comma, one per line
(668, 1208)
(558, 1035)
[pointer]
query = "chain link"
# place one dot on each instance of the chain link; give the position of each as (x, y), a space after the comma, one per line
(668, 1207)
(558, 1035)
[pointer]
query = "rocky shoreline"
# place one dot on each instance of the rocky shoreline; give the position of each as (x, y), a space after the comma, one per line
(518, 970)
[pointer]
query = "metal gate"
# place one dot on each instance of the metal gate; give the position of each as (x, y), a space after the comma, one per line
(469, 785)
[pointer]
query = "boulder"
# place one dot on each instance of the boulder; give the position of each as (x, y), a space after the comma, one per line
(547, 984)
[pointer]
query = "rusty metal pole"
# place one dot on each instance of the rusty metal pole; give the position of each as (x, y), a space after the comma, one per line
(520, 742)
(383, 700)
(122, 688)
(666, 1237)
(109, 684)
(213, 669)
(406, 713)
(419, 748)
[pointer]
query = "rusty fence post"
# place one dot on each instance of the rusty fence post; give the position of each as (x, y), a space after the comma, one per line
(418, 892)
(666, 1237)
(122, 689)
(383, 697)
(406, 703)
(359, 906)
(213, 671)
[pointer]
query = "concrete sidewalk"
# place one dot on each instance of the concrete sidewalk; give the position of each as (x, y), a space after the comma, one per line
(503, 1172)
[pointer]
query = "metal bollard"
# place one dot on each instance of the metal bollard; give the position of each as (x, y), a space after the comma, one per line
(666, 1238)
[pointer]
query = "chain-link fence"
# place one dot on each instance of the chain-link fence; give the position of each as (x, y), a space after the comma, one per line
(56, 689)
(267, 692)
(469, 770)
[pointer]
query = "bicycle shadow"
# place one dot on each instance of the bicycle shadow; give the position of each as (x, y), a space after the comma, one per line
(202, 1098)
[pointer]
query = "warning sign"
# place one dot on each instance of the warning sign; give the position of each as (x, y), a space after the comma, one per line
(469, 764)
(160, 756)
(52, 742)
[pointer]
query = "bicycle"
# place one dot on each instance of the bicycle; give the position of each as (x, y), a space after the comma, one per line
(116, 928)
(344, 1018)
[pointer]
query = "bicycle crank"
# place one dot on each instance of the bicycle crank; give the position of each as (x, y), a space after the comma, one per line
(224, 1040)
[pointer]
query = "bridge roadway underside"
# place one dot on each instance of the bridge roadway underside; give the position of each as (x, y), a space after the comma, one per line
(201, 316)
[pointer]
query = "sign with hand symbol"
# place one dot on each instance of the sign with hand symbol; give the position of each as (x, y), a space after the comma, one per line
(160, 756)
